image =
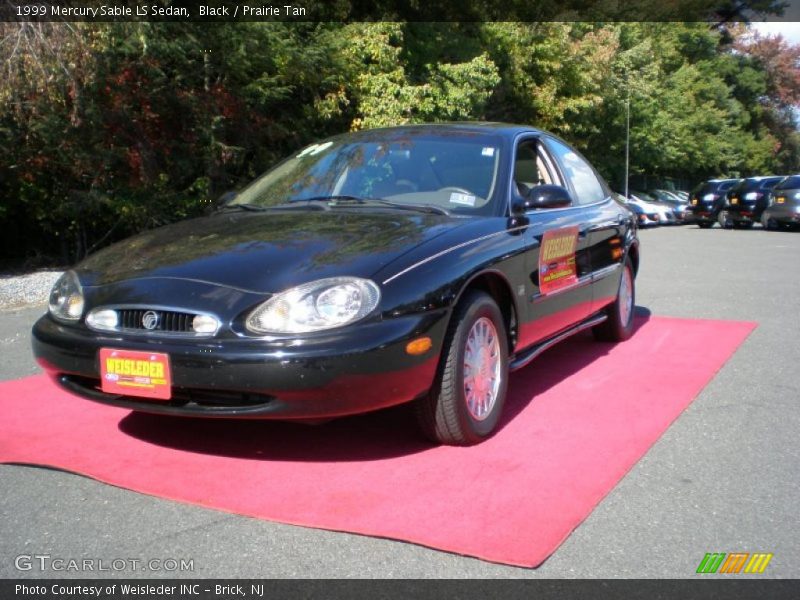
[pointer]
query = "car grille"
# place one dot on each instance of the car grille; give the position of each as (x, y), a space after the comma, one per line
(191, 398)
(166, 320)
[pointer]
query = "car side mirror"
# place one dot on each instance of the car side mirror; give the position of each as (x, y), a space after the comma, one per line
(547, 196)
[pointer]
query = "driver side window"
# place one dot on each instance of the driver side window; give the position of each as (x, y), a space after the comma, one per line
(532, 167)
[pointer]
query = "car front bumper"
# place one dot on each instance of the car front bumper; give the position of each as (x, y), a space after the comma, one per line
(357, 369)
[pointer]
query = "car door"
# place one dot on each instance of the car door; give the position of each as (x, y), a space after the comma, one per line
(606, 222)
(557, 264)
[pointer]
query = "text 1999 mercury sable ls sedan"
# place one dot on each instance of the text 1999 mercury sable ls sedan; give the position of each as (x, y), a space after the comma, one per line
(417, 263)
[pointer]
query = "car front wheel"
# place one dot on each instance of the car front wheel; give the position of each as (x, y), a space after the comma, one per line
(467, 399)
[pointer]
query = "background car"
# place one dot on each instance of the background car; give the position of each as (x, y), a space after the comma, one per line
(708, 201)
(748, 199)
(665, 212)
(416, 264)
(680, 207)
(646, 216)
(683, 195)
(783, 209)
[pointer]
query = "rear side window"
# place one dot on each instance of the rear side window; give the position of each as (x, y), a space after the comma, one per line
(587, 186)
(726, 185)
(790, 183)
(768, 184)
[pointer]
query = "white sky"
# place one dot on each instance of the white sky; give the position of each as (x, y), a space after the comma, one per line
(789, 29)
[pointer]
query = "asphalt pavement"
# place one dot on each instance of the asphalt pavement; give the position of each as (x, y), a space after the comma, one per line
(725, 477)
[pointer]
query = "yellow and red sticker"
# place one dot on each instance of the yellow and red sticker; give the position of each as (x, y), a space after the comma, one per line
(557, 268)
(133, 373)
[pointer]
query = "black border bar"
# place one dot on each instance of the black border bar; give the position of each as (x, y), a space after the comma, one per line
(100, 11)
(385, 589)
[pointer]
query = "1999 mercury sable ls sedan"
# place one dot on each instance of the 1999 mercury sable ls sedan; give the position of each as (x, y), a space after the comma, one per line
(409, 264)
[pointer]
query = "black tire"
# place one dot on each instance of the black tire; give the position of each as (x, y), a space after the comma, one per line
(443, 415)
(705, 225)
(618, 328)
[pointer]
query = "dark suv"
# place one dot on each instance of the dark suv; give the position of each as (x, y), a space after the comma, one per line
(748, 199)
(784, 205)
(707, 200)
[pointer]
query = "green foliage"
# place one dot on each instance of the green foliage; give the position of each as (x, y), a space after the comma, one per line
(107, 130)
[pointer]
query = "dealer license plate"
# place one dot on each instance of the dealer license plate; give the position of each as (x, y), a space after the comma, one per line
(694, 201)
(734, 201)
(780, 200)
(134, 373)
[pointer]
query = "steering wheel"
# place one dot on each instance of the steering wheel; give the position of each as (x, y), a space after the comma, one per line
(452, 188)
(408, 184)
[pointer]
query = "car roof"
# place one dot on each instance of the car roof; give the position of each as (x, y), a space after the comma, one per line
(506, 129)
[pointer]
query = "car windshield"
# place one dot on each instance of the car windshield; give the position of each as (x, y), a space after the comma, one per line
(457, 172)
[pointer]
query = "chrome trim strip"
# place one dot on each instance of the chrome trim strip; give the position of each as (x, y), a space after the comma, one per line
(606, 271)
(527, 356)
(153, 332)
(605, 225)
(451, 249)
(221, 285)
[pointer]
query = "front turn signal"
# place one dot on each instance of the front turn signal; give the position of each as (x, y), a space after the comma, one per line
(419, 346)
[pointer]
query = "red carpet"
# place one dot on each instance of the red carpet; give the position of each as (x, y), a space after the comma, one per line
(579, 418)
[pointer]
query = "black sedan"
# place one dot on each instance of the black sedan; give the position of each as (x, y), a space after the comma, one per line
(783, 208)
(411, 264)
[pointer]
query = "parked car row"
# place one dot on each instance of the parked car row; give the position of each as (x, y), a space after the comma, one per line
(659, 207)
(774, 201)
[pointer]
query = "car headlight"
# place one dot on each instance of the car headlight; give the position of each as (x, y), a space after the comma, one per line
(751, 196)
(708, 197)
(315, 306)
(66, 298)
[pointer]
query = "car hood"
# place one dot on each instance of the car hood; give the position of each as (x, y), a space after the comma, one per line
(267, 252)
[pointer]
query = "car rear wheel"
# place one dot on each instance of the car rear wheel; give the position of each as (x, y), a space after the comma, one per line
(465, 404)
(705, 225)
(619, 325)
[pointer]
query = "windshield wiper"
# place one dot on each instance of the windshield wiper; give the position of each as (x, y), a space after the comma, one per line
(259, 208)
(345, 200)
(250, 207)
